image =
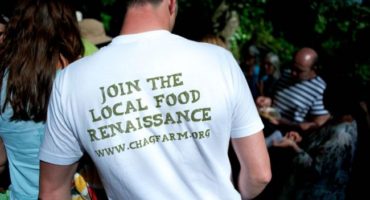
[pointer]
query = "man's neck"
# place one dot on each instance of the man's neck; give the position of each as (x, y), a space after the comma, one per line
(145, 18)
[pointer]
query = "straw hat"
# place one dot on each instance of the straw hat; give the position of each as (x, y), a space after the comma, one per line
(93, 30)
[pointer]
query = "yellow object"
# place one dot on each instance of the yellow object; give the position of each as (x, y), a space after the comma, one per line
(81, 186)
(90, 48)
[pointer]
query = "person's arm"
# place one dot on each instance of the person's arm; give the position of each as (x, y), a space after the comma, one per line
(3, 157)
(302, 157)
(290, 139)
(255, 170)
(315, 123)
(56, 180)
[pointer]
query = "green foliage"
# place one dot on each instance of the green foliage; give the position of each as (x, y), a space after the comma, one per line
(188, 5)
(106, 19)
(346, 21)
(363, 71)
(256, 28)
(340, 32)
(108, 2)
(340, 29)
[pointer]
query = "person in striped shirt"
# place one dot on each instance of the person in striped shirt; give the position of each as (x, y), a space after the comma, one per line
(298, 95)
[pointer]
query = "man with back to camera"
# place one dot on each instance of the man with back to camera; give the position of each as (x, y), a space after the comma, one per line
(153, 120)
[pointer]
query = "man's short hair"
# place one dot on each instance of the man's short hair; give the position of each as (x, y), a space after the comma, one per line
(141, 2)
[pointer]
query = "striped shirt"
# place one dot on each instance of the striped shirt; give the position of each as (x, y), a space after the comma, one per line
(297, 101)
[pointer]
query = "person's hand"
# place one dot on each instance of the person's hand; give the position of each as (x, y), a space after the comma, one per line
(289, 140)
(304, 126)
(280, 121)
(274, 121)
(263, 101)
(293, 135)
(284, 142)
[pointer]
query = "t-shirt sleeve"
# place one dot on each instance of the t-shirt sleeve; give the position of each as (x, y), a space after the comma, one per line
(318, 107)
(60, 145)
(245, 118)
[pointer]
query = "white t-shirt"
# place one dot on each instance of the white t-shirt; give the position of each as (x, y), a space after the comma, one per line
(155, 112)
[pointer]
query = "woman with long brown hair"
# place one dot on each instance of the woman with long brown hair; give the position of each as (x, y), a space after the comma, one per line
(42, 36)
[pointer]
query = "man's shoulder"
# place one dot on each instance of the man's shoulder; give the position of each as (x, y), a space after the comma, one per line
(318, 83)
(199, 44)
(320, 79)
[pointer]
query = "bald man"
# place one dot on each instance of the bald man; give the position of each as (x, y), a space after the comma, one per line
(299, 95)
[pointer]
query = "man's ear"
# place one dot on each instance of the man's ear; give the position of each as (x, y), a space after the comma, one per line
(173, 7)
